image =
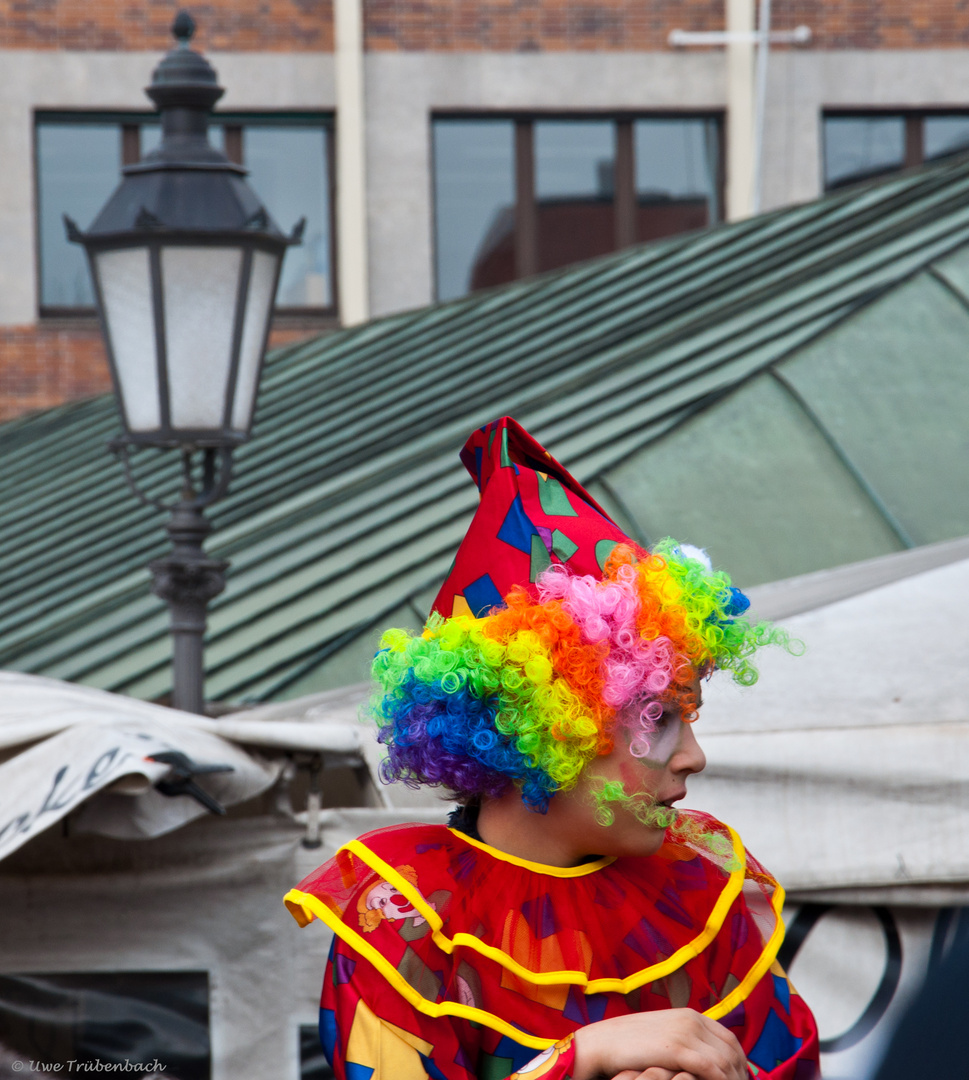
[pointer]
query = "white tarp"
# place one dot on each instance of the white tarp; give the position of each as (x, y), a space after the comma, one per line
(203, 900)
(80, 751)
(848, 767)
(46, 782)
(33, 707)
(846, 771)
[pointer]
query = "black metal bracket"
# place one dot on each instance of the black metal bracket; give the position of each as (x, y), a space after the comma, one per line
(216, 475)
(181, 779)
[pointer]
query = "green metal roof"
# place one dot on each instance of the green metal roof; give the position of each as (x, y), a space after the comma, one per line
(790, 392)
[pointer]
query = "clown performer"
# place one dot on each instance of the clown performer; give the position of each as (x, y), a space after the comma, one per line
(569, 922)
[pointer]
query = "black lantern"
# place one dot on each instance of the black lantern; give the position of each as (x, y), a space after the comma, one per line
(185, 261)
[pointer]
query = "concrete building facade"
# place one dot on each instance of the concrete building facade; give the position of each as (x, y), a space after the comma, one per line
(375, 80)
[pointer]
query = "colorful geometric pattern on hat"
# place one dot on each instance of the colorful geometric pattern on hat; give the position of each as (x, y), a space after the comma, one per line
(532, 513)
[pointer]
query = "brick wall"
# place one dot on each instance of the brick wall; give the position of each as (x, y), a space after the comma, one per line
(879, 24)
(554, 25)
(42, 366)
(244, 25)
(468, 25)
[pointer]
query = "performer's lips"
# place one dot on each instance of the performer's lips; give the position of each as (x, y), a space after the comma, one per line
(675, 798)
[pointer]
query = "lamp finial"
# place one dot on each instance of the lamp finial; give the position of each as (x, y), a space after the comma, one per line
(183, 28)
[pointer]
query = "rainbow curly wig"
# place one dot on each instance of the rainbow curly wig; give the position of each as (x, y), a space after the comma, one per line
(530, 693)
(552, 635)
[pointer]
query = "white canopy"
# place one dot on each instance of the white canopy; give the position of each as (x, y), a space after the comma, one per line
(846, 771)
(144, 899)
(69, 748)
(847, 768)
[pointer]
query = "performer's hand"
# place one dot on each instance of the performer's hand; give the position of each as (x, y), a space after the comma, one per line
(675, 1044)
(653, 1074)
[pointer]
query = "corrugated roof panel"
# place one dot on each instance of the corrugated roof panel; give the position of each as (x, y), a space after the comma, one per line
(357, 433)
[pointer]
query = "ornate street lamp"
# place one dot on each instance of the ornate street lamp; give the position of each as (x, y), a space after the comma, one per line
(185, 262)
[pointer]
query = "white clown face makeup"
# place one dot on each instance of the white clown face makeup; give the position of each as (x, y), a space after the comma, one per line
(655, 731)
(658, 746)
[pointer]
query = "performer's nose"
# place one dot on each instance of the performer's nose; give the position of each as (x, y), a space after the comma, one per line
(689, 758)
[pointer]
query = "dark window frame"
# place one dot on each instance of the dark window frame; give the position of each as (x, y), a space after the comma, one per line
(130, 123)
(526, 230)
(914, 154)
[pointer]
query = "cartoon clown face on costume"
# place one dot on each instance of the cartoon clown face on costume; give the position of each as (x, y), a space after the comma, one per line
(385, 901)
(391, 904)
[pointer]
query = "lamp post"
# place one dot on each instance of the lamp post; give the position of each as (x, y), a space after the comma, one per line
(185, 262)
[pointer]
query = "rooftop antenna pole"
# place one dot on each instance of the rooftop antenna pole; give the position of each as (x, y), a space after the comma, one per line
(746, 146)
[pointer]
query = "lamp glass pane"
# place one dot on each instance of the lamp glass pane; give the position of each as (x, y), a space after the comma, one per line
(262, 277)
(200, 289)
(125, 279)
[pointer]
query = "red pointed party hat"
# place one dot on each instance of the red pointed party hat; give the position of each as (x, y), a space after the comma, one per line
(533, 513)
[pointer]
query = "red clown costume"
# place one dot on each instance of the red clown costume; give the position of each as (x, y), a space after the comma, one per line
(454, 960)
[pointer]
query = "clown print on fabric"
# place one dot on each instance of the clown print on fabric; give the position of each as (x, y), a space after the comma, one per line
(384, 901)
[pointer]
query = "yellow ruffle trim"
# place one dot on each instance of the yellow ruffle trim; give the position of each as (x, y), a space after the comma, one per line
(305, 907)
(537, 868)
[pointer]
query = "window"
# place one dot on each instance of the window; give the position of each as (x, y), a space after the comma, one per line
(514, 196)
(859, 146)
(151, 1018)
(78, 162)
